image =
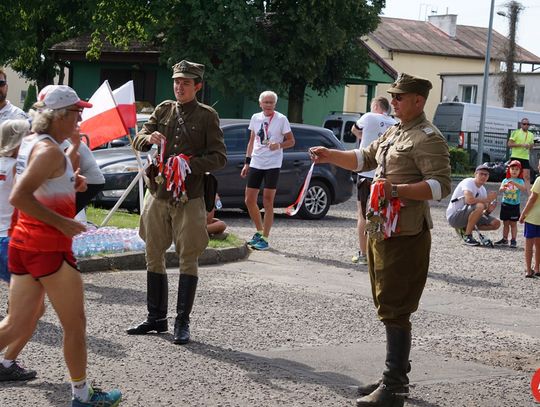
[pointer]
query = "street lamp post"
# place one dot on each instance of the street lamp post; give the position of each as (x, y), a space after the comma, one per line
(480, 155)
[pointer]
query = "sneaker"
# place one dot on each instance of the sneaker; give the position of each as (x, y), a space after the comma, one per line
(256, 237)
(99, 398)
(359, 258)
(513, 244)
(502, 242)
(15, 373)
(469, 240)
(261, 244)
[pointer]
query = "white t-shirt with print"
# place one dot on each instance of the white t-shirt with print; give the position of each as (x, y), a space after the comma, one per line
(467, 184)
(272, 129)
(373, 125)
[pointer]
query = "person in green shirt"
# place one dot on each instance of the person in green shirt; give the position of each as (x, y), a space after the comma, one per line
(521, 142)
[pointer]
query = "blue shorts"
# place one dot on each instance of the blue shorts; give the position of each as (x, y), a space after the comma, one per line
(4, 273)
(531, 231)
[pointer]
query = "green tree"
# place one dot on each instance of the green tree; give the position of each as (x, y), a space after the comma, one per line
(29, 28)
(286, 45)
(31, 97)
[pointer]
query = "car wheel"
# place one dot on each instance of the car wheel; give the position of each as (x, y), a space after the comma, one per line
(317, 201)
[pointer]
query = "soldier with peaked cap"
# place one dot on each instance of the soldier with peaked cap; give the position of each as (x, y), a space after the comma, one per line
(412, 166)
(188, 127)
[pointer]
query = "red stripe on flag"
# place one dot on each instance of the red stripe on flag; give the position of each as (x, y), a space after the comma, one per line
(129, 115)
(103, 128)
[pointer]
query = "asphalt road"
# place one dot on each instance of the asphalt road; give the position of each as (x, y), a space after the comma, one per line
(295, 326)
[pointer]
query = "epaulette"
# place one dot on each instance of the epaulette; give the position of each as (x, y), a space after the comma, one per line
(166, 103)
(428, 130)
(210, 108)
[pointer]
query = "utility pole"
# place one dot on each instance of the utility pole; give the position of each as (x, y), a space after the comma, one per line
(480, 155)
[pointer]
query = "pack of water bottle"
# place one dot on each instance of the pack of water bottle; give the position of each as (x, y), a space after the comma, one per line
(107, 240)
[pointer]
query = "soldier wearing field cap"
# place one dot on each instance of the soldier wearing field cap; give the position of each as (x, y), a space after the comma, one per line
(187, 127)
(412, 166)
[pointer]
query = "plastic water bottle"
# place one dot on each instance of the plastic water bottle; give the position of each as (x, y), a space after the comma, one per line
(218, 205)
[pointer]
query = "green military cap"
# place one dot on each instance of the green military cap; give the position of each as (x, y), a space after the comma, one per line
(411, 84)
(186, 69)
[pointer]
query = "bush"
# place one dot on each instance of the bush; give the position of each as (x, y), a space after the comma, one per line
(459, 160)
(31, 98)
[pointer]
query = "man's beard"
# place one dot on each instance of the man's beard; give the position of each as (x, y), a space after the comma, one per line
(2, 97)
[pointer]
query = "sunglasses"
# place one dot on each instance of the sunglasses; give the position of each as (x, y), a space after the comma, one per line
(524, 124)
(397, 96)
(3, 83)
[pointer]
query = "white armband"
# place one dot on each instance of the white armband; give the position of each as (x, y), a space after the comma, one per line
(435, 186)
(359, 160)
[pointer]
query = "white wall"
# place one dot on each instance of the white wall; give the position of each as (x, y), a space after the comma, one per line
(531, 82)
(17, 87)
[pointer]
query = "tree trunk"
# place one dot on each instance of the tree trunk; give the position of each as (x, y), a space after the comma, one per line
(297, 90)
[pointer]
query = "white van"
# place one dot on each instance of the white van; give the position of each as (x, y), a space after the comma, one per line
(460, 124)
(341, 123)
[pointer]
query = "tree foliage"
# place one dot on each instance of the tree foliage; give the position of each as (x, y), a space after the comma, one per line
(286, 45)
(29, 28)
(508, 83)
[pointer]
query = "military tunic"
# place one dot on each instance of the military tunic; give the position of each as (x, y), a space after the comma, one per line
(398, 266)
(164, 221)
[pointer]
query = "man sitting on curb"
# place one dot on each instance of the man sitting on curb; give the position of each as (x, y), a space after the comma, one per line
(471, 205)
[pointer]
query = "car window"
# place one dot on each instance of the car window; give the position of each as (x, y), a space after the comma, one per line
(309, 138)
(348, 136)
(335, 126)
(236, 139)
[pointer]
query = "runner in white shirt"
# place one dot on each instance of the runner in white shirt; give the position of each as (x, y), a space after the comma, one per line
(270, 135)
(367, 129)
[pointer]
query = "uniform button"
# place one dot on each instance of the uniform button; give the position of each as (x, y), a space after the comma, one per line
(178, 138)
(176, 146)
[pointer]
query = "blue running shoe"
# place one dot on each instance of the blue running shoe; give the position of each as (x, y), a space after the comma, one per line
(262, 244)
(99, 398)
(256, 237)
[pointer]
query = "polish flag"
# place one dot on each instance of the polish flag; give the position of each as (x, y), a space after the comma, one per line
(125, 100)
(102, 122)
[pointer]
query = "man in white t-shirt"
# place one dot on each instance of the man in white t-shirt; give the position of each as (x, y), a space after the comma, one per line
(367, 129)
(270, 135)
(7, 110)
(471, 205)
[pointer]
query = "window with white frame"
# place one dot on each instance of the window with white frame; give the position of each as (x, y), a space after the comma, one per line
(468, 93)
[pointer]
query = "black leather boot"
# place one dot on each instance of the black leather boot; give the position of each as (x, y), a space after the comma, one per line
(395, 383)
(157, 300)
(187, 286)
(369, 388)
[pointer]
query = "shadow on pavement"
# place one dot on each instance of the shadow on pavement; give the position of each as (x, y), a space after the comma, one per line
(51, 335)
(116, 295)
(264, 370)
(462, 280)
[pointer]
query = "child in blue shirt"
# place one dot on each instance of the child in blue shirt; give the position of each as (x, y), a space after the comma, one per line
(511, 187)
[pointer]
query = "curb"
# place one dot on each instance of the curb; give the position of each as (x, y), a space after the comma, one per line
(137, 261)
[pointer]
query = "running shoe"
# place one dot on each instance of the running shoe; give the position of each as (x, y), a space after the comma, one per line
(469, 240)
(261, 244)
(513, 244)
(502, 242)
(359, 258)
(99, 398)
(256, 237)
(15, 373)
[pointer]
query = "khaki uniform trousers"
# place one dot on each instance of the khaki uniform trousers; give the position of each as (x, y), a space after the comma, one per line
(162, 223)
(398, 270)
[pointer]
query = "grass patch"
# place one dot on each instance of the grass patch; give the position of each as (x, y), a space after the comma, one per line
(124, 219)
(121, 218)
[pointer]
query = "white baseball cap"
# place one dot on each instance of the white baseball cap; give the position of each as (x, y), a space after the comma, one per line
(60, 96)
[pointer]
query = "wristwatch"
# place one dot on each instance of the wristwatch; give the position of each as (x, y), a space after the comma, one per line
(394, 193)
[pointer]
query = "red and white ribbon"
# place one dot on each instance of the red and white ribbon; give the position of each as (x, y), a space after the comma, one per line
(291, 210)
(176, 170)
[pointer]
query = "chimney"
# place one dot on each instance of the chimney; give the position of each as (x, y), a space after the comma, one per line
(446, 23)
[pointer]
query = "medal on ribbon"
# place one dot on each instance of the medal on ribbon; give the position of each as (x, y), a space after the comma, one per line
(161, 158)
(383, 214)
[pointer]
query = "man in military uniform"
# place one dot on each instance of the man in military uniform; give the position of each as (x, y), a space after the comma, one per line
(412, 164)
(190, 128)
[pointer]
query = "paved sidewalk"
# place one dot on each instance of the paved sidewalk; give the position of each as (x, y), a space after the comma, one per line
(275, 330)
